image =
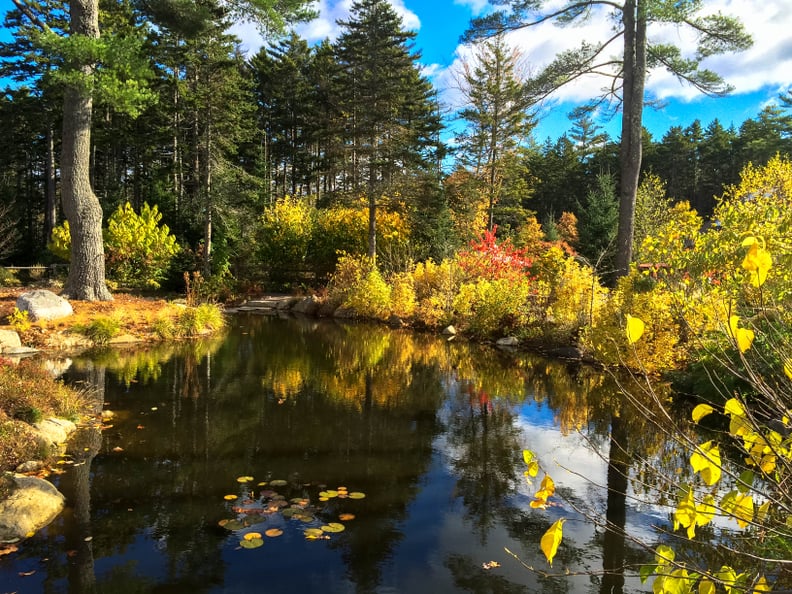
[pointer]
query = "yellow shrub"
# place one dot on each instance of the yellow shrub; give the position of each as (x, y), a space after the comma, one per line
(658, 348)
(575, 294)
(402, 294)
(436, 286)
(358, 284)
(492, 308)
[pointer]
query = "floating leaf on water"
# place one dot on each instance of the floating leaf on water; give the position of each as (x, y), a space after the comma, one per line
(273, 532)
(230, 497)
(252, 535)
(233, 525)
(307, 518)
(333, 527)
(222, 523)
(289, 512)
(277, 497)
(329, 494)
(342, 489)
(346, 517)
(323, 499)
(268, 493)
(280, 503)
(315, 532)
(253, 543)
(356, 495)
(297, 500)
(278, 483)
(118, 449)
(244, 479)
(262, 484)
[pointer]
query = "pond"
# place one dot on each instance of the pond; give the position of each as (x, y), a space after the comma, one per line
(407, 448)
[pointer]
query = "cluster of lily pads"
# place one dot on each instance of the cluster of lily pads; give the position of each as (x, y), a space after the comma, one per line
(252, 509)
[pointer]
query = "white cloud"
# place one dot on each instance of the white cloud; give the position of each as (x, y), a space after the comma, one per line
(767, 64)
(476, 6)
(325, 26)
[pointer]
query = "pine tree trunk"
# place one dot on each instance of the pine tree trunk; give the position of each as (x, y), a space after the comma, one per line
(86, 280)
(51, 210)
(630, 151)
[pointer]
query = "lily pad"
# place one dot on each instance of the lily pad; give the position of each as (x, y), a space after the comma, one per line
(233, 525)
(289, 512)
(307, 518)
(333, 527)
(278, 483)
(253, 543)
(252, 535)
(244, 479)
(329, 494)
(356, 495)
(273, 532)
(315, 532)
(346, 517)
(230, 497)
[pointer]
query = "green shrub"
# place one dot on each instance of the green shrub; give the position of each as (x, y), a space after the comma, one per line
(139, 249)
(284, 233)
(8, 278)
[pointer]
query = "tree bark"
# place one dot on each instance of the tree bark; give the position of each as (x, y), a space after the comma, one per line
(86, 280)
(51, 209)
(630, 150)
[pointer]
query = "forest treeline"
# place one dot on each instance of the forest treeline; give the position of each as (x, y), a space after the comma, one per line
(221, 135)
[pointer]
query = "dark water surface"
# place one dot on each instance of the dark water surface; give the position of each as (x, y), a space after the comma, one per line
(431, 432)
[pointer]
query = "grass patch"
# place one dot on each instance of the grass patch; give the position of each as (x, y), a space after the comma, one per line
(29, 394)
(101, 329)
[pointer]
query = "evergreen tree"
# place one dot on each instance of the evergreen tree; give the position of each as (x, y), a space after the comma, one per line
(497, 117)
(392, 120)
(598, 221)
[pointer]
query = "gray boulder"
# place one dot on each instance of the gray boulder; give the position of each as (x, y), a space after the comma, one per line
(54, 431)
(307, 305)
(9, 341)
(44, 305)
(32, 505)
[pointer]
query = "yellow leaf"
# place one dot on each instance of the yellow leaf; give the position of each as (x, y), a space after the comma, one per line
(701, 411)
(552, 539)
(743, 509)
(745, 338)
(635, 329)
(734, 407)
(758, 262)
(528, 456)
(788, 368)
(705, 511)
(761, 513)
(251, 535)
(762, 585)
(706, 460)
(533, 469)
(685, 514)
(706, 587)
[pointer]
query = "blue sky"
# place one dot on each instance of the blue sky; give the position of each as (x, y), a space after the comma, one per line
(758, 75)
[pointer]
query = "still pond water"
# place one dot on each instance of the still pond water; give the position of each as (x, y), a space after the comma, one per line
(430, 432)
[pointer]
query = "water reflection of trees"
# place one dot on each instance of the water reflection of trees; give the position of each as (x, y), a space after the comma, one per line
(355, 405)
